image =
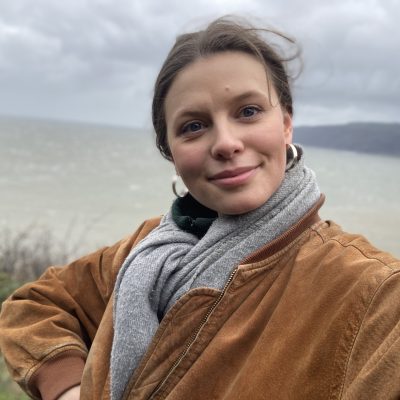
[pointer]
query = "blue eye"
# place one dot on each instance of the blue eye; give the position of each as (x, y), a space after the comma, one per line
(192, 127)
(249, 111)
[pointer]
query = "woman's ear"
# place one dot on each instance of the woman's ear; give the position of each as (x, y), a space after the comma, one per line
(287, 127)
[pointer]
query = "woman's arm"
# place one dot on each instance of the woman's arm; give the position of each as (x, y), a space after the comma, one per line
(47, 326)
(71, 394)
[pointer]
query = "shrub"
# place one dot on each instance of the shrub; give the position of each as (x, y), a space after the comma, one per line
(25, 254)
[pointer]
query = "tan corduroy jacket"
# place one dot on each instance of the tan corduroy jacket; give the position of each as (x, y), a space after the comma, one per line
(313, 315)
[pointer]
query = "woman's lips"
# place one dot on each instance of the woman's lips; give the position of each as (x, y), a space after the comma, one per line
(233, 177)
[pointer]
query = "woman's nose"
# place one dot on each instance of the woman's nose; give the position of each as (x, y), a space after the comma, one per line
(225, 143)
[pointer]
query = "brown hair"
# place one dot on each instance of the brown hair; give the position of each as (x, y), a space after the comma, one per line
(223, 34)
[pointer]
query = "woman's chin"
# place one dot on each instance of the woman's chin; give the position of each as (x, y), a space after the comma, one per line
(238, 208)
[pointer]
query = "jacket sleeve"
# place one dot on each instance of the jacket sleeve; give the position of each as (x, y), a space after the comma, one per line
(373, 368)
(47, 326)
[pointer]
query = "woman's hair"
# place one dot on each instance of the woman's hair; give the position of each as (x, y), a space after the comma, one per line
(223, 34)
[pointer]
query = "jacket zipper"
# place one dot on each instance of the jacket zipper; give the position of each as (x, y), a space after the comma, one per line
(218, 300)
(194, 336)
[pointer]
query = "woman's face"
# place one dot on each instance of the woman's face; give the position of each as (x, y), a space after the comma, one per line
(227, 132)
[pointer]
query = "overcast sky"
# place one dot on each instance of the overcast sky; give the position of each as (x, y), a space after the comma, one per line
(96, 60)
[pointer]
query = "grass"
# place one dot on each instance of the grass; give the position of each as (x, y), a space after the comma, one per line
(9, 390)
(24, 256)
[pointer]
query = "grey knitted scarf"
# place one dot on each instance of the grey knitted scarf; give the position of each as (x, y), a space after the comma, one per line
(169, 262)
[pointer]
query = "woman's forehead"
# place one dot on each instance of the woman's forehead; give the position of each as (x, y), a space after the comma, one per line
(223, 76)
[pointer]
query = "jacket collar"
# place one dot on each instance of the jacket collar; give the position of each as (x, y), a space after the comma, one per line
(309, 219)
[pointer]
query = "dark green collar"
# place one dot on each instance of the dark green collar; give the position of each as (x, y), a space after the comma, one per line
(191, 216)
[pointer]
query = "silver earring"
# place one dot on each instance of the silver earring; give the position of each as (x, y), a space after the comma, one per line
(181, 193)
(292, 157)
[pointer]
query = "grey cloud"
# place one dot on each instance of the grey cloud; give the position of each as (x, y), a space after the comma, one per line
(97, 60)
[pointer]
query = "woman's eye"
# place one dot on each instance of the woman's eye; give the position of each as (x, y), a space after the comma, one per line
(192, 127)
(250, 111)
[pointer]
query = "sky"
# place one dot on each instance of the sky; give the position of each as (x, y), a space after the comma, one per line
(96, 60)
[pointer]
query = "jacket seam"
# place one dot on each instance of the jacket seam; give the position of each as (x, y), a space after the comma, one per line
(363, 253)
(357, 332)
(54, 353)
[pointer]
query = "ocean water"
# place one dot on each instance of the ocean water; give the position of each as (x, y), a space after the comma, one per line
(93, 185)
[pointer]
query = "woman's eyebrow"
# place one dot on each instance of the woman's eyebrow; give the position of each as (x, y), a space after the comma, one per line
(188, 112)
(248, 94)
(199, 110)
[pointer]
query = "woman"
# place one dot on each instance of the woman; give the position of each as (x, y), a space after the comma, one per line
(240, 291)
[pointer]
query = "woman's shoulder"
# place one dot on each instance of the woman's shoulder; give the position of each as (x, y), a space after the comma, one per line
(144, 229)
(132, 239)
(352, 251)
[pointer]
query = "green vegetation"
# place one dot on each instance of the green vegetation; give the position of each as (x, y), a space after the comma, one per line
(8, 389)
(7, 285)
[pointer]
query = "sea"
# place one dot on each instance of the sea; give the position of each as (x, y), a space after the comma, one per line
(92, 185)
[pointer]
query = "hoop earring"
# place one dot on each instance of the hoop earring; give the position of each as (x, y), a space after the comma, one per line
(181, 193)
(292, 157)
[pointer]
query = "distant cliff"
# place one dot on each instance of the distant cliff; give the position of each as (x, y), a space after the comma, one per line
(374, 138)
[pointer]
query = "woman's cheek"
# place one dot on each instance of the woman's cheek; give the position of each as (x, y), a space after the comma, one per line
(189, 162)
